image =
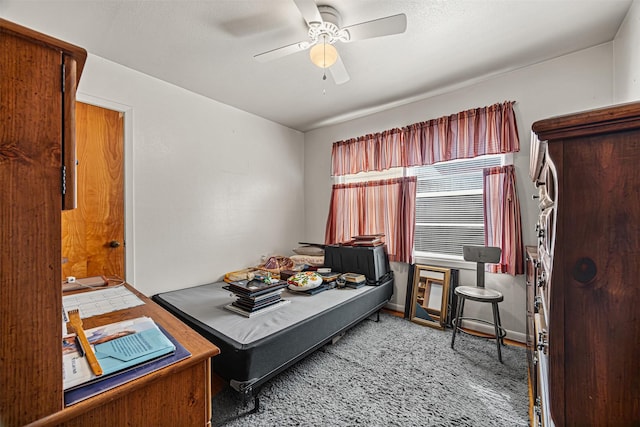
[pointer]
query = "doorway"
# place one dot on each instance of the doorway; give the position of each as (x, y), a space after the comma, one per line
(93, 241)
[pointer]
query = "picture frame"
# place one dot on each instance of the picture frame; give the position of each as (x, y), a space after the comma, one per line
(430, 296)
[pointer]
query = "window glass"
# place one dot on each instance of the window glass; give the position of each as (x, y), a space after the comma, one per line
(449, 207)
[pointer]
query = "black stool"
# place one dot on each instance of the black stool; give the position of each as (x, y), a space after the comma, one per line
(480, 255)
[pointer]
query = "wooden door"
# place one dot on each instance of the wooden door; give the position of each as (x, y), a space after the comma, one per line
(93, 234)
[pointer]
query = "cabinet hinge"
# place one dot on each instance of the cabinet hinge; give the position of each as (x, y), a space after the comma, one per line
(64, 180)
(63, 75)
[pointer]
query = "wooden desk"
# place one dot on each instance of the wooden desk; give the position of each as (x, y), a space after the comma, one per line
(178, 395)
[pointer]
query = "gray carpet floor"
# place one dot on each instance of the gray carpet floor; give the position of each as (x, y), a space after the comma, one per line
(391, 373)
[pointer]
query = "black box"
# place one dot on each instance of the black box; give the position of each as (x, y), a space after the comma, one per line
(373, 262)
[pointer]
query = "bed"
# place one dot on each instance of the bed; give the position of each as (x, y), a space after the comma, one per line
(255, 349)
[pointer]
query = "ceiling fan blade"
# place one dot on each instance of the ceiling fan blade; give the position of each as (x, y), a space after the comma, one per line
(395, 24)
(309, 10)
(281, 51)
(339, 72)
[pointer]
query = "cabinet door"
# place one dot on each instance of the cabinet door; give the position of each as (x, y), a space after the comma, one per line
(30, 204)
(599, 273)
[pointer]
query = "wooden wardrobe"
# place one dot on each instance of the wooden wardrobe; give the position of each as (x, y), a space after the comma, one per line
(38, 78)
(586, 305)
(37, 101)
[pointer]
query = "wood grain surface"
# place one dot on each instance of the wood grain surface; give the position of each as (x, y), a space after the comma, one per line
(30, 203)
(99, 219)
(589, 259)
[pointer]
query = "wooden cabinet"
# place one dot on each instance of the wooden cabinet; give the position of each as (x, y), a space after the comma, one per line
(587, 327)
(37, 159)
(33, 109)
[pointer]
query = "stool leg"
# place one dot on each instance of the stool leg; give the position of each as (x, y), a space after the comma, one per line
(456, 320)
(502, 331)
(497, 327)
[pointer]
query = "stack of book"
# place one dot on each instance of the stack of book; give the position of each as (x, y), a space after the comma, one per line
(256, 296)
(328, 276)
(368, 240)
(354, 280)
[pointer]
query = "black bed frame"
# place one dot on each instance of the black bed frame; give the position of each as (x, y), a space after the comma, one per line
(248, 367)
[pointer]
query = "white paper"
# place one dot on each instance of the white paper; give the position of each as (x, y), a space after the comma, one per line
(100, 301)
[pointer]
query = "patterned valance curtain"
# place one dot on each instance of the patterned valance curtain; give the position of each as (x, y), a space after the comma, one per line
(502, 221)
(386, 206)
(470, 133)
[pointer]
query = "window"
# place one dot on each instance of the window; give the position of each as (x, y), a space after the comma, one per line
(449, 203)
(449, 206)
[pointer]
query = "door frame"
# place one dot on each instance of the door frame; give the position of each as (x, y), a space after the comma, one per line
(127, 111)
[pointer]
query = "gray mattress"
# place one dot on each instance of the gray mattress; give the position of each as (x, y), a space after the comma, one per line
(254, 349)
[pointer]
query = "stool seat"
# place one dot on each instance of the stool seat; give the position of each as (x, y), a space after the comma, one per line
(474, 293)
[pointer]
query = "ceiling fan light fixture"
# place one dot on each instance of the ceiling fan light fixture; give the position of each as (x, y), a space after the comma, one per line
(323, 55)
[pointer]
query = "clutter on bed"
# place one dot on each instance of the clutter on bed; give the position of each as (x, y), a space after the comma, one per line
(256, 295)
(234, 276)
(328, 276)
(368, 240)
(309, 250)
(275, 264)
(354, 280)
(324, 286)
(304, 280)
(372, 262)
(307, 256)
(310, 260)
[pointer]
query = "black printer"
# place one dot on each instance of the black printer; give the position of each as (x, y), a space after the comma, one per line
(372, 261)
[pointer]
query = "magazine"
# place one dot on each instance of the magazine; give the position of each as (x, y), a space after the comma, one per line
(117, 346)
(102, 384)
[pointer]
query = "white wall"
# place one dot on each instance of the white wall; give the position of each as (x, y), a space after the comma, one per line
(627, 57)
(570, 83)
(209, 188)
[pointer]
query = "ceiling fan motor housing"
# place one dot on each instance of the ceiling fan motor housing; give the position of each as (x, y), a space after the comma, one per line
(329, 27)
(329, 14)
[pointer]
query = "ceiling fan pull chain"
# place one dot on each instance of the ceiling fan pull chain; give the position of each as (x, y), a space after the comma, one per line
(324, 63)
(324, 77)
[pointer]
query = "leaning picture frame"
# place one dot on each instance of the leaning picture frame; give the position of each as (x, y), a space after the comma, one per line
(430, 296)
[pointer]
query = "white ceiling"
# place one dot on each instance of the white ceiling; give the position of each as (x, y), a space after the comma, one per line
(208, 46)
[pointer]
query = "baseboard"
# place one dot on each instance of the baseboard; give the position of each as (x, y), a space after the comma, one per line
(395, 307)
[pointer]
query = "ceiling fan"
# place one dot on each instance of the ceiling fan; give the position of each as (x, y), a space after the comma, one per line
(324, 31)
